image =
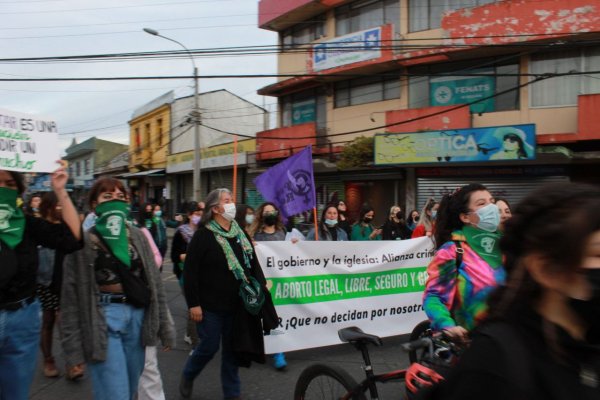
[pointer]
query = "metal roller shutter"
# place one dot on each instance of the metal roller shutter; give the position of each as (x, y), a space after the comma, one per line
(223, 178)
(512, 189)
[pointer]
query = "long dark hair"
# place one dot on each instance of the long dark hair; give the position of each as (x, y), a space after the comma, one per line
(258, 223)
(364, 210)
(448, 215)
(322, 226)
(48, 207)
(560, 239)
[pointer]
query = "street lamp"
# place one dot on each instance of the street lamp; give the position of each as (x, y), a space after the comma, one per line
(195, 117)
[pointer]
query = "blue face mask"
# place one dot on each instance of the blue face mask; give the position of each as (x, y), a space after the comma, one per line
(331, 222)
(157, 213)
(489, 218)
(433, 214)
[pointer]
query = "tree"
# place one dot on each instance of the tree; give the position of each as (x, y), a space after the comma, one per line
(357, 153)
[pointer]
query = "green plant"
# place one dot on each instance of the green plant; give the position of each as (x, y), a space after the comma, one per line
(357, 153)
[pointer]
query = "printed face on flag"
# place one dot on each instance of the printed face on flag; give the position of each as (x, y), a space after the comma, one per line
(290, 184)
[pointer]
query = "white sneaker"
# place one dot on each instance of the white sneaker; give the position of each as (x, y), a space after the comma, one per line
(187, 339)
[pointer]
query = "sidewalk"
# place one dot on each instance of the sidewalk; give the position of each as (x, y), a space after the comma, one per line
(260, 382)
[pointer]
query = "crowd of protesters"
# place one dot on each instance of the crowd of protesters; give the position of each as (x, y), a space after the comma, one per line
(533, 269)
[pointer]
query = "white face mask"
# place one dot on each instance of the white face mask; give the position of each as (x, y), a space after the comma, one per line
(229, 211)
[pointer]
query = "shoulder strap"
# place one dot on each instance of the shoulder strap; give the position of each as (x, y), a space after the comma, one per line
(459, 253)
(518, 356)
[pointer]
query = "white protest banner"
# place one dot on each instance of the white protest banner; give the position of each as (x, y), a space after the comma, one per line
(28, 143)
(320, 287)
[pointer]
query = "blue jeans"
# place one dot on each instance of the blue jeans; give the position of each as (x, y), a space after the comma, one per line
(19, 341)
(117, 377)
(213, 327)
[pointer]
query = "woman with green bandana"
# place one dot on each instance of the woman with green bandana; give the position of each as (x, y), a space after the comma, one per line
(113, 303)
(467, 264)
(219, 258)
(20, 235)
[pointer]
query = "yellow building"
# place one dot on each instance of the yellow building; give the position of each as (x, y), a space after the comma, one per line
(148, 149)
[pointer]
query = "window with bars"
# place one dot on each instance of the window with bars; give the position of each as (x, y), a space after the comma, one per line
(502, 77)
(366, 14)
(427, 14)
(304, 33)
(563, 90)
(366, 90)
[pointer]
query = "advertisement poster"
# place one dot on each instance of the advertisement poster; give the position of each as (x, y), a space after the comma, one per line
(28, 143)
(451, 90)
(320, 287)
(497, 143)
(347, 49)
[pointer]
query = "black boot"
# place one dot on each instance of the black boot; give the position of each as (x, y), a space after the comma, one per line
(185, 387)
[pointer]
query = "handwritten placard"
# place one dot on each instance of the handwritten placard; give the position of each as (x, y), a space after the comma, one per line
(28, 143)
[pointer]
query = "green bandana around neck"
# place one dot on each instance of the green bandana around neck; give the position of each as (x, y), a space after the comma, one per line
(111, 225)
(12, 219)
(234, 232)
(485, 244)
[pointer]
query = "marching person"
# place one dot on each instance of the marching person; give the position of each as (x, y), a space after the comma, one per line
(363, 229)
(328, 226)
(113, 303)
(541, 339)
(395, 228)
(220, 262)
(20, 234)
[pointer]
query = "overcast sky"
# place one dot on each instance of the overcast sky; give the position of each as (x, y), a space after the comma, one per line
(41, 28)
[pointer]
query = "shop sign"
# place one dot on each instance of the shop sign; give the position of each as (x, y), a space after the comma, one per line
(451, 90)
(347, 49)
(303, 112)
(499, 143)
(216, 156)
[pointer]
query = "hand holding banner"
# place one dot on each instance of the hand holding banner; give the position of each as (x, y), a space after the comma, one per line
(28, 143)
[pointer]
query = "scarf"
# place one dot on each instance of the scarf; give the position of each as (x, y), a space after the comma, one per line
(111, 225)
(12, 219)
(234, 232)
(186, 232)
(485, 244)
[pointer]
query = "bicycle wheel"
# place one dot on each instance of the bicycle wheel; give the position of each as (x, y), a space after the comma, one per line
(418, 332)
(325, 382)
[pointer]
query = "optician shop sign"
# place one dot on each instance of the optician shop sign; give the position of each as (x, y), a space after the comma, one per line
(450, 90)
(347, 49)
(516, 142)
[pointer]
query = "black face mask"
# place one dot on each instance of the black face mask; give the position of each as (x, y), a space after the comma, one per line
(589, 310)
(399, 215)
(367, 220)
(270, 219)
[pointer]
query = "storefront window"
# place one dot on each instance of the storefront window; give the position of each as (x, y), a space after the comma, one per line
(427, 14)
(366, 90)
(365, 14)
(563, 90)
(434, 86)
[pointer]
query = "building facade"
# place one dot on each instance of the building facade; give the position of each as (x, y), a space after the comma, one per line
(437, 70)
(83, 159)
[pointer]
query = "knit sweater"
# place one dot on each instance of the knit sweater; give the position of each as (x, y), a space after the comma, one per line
(82, 318)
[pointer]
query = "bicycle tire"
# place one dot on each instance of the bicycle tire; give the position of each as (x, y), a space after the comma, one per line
(417, 333)
(325, 382)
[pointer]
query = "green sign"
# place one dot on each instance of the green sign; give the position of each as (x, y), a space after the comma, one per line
(304, 112)
(451, 90)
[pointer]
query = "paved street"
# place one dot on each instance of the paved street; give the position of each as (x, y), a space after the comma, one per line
(258, 382)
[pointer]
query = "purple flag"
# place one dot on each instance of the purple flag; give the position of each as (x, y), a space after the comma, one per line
(290, 184)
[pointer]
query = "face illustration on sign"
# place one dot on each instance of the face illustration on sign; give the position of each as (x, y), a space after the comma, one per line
(114, 225)
(5, 213)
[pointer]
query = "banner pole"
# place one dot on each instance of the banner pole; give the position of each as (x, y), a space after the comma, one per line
(235, 145)
(316, 225)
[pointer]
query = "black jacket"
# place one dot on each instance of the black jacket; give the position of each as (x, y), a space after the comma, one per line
(208, 282)
(395, 231)
(18, 266)
(486, 372)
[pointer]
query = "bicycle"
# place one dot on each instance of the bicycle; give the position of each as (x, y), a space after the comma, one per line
(328, 382)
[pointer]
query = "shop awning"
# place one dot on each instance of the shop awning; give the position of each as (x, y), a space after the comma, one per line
(160, 171)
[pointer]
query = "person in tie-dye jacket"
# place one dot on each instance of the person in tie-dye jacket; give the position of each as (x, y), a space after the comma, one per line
(456, 291)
